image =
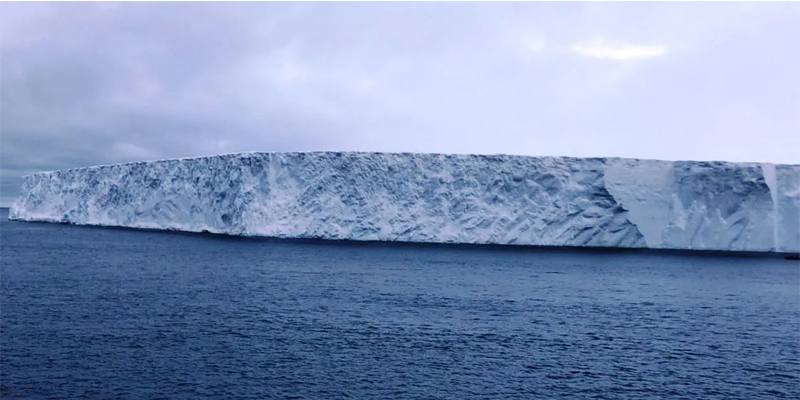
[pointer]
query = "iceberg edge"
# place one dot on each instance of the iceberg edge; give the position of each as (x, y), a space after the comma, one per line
(436, 198)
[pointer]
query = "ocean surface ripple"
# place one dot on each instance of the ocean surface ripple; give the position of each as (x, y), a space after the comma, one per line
(115, 313)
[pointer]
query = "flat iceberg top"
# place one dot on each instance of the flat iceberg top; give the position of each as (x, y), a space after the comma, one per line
(441, 198)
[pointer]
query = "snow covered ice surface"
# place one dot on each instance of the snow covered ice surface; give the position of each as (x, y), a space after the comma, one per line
(498, 199)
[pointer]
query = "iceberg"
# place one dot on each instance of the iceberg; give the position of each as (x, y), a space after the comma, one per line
(436, 198)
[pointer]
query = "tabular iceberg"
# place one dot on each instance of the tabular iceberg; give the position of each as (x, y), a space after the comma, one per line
(498, 199)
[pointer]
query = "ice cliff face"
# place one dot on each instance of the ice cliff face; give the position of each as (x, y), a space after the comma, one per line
(436, 198)
(710, 205)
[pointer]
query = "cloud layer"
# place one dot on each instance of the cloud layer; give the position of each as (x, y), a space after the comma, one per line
(84, 84)
(619, 52)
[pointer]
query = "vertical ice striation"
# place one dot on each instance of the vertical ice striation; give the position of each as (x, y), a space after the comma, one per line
(787, 178)
(553, 201)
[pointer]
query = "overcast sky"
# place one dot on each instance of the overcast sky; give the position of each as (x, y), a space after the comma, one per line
(84, 84)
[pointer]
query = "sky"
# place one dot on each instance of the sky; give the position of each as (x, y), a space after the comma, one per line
(84, 84)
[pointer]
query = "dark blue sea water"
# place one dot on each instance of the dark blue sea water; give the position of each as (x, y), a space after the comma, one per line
(113, 313)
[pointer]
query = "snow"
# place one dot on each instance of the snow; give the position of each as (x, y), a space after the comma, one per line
(499, 199)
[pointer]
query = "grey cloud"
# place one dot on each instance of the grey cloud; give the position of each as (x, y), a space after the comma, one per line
(93, 83)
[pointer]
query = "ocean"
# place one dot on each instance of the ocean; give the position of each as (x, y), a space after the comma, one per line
(104, 313)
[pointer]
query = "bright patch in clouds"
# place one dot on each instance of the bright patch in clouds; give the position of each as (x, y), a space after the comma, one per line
(533, 44)
(618, 52)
